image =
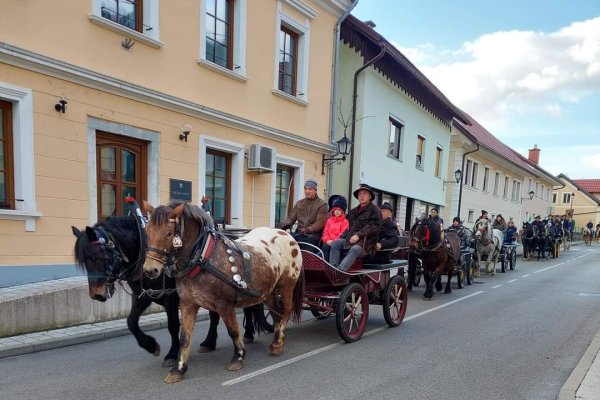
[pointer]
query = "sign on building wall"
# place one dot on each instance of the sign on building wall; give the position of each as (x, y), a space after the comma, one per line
(180, 190)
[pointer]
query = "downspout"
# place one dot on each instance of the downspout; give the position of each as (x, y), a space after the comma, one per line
(354, 101)
(462, 168)
(334, 84)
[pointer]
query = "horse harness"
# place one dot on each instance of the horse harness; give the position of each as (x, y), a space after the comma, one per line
(200, 260)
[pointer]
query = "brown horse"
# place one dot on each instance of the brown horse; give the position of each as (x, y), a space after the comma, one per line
(218, 274)
(587, 237)
(438, 257)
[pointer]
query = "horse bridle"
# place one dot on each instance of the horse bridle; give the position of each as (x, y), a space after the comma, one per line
(169, 263)
(112, 264)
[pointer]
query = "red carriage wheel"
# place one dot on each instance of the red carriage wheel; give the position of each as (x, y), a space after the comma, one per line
(395, 301)
(352, 312)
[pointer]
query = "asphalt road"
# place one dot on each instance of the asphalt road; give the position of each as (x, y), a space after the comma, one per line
(516, 335)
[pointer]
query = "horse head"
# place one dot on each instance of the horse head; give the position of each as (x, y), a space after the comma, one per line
(98, 253)
(172, 234)
(417, 234)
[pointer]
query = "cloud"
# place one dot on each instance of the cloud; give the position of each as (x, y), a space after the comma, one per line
(577, 162)
(501, 75)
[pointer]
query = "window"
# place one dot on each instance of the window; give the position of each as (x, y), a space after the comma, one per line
(137, 19)
(537, 189)
(543, 192)
(121, 164)
(505, 193)
(284, 193)
(420, 152)
(288, 61)
(7, 197)
(496, 183)
(219, 32)
(566, 198)
(128, 13)
(395, 138)
(554, 198)
(516, 191)
(486, 179)
(468, 171)
(218, 171)
(438, 162)
(471, 217)
(530, 187)
(472, 180)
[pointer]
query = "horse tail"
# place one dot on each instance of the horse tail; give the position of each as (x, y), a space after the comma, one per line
(298, 298)
(258, 319)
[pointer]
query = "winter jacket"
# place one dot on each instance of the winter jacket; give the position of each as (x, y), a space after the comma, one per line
(310, 214)
(501, 226)
(334, 227)
(389, 237)
(365, 222)
(511, 235)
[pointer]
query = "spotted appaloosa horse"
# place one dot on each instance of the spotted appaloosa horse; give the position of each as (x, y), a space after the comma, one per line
(488, 243)
(219, 274)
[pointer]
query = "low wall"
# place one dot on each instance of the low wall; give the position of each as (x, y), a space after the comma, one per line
(58, 304)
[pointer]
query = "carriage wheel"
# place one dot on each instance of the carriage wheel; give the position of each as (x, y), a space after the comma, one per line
(395, 301)
(418, 275)
(460, 275)
(469, 264)
(320, 314)
(504, 261)
(268, 325)
(352, 312)
(513, 259)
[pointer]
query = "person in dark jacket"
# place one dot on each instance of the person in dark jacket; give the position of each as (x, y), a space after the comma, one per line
(361, 237)
(389, 236)
(435, 227)
(311, 215)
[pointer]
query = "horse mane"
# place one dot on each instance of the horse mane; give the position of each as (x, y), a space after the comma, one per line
(124, 231)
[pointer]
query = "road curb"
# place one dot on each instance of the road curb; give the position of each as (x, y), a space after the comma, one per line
(569, 389)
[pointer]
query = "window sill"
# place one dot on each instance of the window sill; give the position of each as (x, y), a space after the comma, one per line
(291, 98)
(394, 158)
(28, 216)
(223, 71)
(113, 26)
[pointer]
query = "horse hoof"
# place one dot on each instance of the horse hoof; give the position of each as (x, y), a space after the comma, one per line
(447, 291)
(169, 363)
(174, 377)
(206, 349)
(157, 350)
(248, 339)
(234, 366)
(274, 351)
(426, 298)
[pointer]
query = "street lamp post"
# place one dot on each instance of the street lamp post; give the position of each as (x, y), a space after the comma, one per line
(572, 211)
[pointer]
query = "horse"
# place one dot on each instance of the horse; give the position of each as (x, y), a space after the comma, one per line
(529, 240)
(567, 239)
(597, 234)
(113, 251)
(110, 252)
(438, 257)
(544, 241)
(488, 243)
(587, 237)
(218, 274)
(557, 234)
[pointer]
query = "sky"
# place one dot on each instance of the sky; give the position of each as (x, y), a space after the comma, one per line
(526, 70)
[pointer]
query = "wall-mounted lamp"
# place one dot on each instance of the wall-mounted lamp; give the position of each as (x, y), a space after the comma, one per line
(127, 44)
(457, 177)
(61, 106)
(344, 145)
(530, 194)
(185, 131)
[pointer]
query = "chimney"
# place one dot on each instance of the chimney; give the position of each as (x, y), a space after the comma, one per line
(534, 155)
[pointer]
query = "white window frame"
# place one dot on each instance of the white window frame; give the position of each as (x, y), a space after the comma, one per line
(303, 32)
(236, 210)
(554, 198)
(420, 164)
(474, 175)
(238, 72)
(496, 183)
(566, 198)
(505, 189)
(439, 152)
(153, 163)
(486, 179)
(23, 166)
(150, 18)
(298, 166)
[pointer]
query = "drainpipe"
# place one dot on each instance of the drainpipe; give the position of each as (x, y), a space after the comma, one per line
(334, 83)
(354, 100)
(462, 168)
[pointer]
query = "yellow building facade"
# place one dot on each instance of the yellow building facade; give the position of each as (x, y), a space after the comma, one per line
(225, 99)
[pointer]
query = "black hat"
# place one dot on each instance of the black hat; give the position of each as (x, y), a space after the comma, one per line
(483, 212)
(337, 201)
(386, 206)
(436, 209)
(456, 219)
(366, 187)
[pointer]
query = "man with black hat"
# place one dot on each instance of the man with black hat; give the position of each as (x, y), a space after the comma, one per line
(361, 236)
(435, 226)
(389, 237)
(311, 215)
(463, 233)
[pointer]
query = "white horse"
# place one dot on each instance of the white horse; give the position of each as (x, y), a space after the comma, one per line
(489, 243)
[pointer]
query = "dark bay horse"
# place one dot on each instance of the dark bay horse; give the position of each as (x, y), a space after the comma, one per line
(529, 239)
(438, 257)
(110, 252)
(218, 274)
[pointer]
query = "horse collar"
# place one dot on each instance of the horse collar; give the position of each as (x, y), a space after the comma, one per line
(203, 252)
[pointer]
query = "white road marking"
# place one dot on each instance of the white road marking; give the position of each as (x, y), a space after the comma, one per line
(526, 275)
(512, 280)
(334, 345)
(497, 286)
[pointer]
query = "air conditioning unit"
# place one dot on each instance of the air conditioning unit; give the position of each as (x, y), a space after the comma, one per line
(261, 158)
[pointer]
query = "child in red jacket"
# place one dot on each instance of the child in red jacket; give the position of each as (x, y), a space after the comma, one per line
(336, 223)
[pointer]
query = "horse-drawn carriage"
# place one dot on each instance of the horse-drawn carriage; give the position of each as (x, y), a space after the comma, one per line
(508, 256)
(348, 294)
